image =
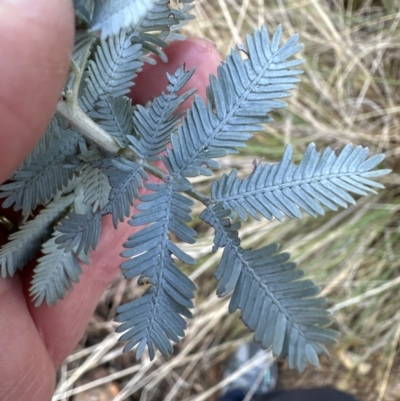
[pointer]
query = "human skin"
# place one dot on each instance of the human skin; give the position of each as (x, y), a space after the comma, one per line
(35, 43)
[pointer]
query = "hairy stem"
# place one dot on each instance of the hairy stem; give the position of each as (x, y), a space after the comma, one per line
(78, 70)
(90, 130)
(87, 127)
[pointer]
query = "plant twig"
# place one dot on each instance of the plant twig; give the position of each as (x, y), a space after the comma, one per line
(90, 130)
(87, 127)
(161, 174)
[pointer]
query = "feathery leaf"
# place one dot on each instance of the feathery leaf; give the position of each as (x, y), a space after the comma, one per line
(54, 273)
(163, 211)
(111, 76)
(154, 319)
(24, 244)
(112, 71)
(80, 232)
(159, 25)
(110, 16)
(95, 186)
(283, 188)
(237, 103)
(281, 309)
(154, 124)
(125, 178)
(116, 117)
(37, 183)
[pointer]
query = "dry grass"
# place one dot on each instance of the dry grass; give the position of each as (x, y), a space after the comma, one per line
(350, 91)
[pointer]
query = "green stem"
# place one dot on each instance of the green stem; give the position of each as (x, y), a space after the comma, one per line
(194, 193)
(157, 172)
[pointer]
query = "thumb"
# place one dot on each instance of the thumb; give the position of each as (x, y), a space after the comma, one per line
(35, 43)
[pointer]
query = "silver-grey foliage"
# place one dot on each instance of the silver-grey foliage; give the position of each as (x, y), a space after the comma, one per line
(112, 15)
(77, 181)
(283, 188)
(150, 257)
(25, 243)
(238, 102)
(156, 122)
(41, 179)
(281, 309)
(54, 272)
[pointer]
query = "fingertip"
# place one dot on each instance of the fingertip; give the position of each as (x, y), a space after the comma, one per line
(63, 324)
(27, 372)
(197, 53)
(35, 44)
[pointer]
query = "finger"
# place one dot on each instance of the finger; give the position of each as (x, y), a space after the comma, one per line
(27, 371)
(35, 43)
(64, 324)
(194, 53)
(35, 39)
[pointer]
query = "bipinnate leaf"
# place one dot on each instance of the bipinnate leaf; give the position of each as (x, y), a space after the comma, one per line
(155, 318)
(95, 186)
(110, 16)
(77, 181)
(126, 178)
(111, 73)
(37, 183)
(238, 101)
(273, 190)
(54, 273)
(79, 232)
(275, 304)
(24, 244)
(154, 124)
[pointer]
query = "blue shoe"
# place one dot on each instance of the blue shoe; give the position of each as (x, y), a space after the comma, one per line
(262, 373)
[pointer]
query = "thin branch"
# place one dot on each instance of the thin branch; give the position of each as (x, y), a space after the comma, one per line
(90, 130)
(87, 127)
(162, 174)
(72, 97)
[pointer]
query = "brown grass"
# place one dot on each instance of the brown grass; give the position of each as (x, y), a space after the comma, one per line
(350, 91)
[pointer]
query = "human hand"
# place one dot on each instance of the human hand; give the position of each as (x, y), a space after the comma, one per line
(35, 43)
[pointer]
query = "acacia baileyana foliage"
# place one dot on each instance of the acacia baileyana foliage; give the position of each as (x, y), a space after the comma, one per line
(99, 151)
